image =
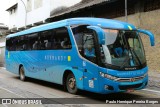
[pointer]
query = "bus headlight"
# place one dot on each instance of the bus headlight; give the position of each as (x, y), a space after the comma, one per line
(107, 76)
(145, 74)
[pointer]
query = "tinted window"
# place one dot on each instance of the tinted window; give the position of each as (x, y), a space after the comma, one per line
(14, 43)
(33, 43)
(55, 39)
(45, 40)
(8, 44)
(61, 39)
(22, 43)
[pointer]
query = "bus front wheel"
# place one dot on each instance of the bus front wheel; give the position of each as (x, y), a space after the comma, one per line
(71, 84)
(22, 73)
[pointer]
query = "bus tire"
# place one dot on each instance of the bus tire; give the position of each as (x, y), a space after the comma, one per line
(71, 84)
(22, 74)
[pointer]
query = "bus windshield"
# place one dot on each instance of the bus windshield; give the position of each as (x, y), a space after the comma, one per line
(122, 49)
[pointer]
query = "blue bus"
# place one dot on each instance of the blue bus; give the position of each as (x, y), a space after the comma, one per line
(93, 54)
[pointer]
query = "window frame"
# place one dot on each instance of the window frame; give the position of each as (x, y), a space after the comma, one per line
(39, 35)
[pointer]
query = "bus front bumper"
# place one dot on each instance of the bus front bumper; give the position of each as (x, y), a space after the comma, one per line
(109, 86)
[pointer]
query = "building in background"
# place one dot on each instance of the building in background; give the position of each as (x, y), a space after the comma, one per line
(3, 32)
(29, 13)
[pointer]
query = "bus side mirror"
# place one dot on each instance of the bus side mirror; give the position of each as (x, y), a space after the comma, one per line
(100, 34)
(150, 34)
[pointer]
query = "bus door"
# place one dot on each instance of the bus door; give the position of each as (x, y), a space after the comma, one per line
(91, 43)
(88, 39)
(90, 66)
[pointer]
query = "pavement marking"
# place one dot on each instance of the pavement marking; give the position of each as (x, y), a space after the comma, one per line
(5, 105)
(155, 91)
(11, 92)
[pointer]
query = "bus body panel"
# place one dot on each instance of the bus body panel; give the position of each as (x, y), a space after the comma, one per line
(90, 76)
(45, 65)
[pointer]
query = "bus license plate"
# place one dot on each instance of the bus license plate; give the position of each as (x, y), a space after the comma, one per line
(130, 90)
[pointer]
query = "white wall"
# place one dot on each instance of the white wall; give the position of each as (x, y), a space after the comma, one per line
(39, 14)
(36, 15)
(20, 21)
(13, 19)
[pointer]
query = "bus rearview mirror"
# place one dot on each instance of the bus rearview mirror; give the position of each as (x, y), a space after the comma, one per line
(100, 34)
(150, 34)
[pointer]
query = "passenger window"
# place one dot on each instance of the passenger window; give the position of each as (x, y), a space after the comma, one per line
(14, 43)
(46, 42)
(61, 39)
(55, 39)
(33, 43)
(8, 44)
(22, 43)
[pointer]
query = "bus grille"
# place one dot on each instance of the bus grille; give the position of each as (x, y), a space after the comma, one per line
(125, 87)
(129, 79)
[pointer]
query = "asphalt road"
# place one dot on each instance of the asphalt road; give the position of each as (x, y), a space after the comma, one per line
(12, 87)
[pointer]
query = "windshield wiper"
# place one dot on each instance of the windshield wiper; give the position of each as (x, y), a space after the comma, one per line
(133, 52)
(125, 61)
(129, 58)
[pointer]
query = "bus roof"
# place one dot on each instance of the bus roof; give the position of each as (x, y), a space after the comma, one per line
(104, 23)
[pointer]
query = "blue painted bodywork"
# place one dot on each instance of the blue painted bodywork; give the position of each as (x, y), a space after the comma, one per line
(150, 34)
(50, 65)
(100, 33)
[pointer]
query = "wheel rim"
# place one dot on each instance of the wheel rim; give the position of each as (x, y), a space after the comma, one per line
(71, 83)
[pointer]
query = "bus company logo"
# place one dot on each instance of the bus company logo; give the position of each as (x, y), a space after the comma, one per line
(133, 68)
(132, 79)
(57, 58)
(6, 101)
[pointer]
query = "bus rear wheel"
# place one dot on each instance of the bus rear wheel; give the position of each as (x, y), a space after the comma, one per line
(22, 73)
(71, 84)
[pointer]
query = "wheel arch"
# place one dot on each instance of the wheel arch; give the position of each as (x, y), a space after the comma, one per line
(19, 68)
(65, 74)
(78, 76)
